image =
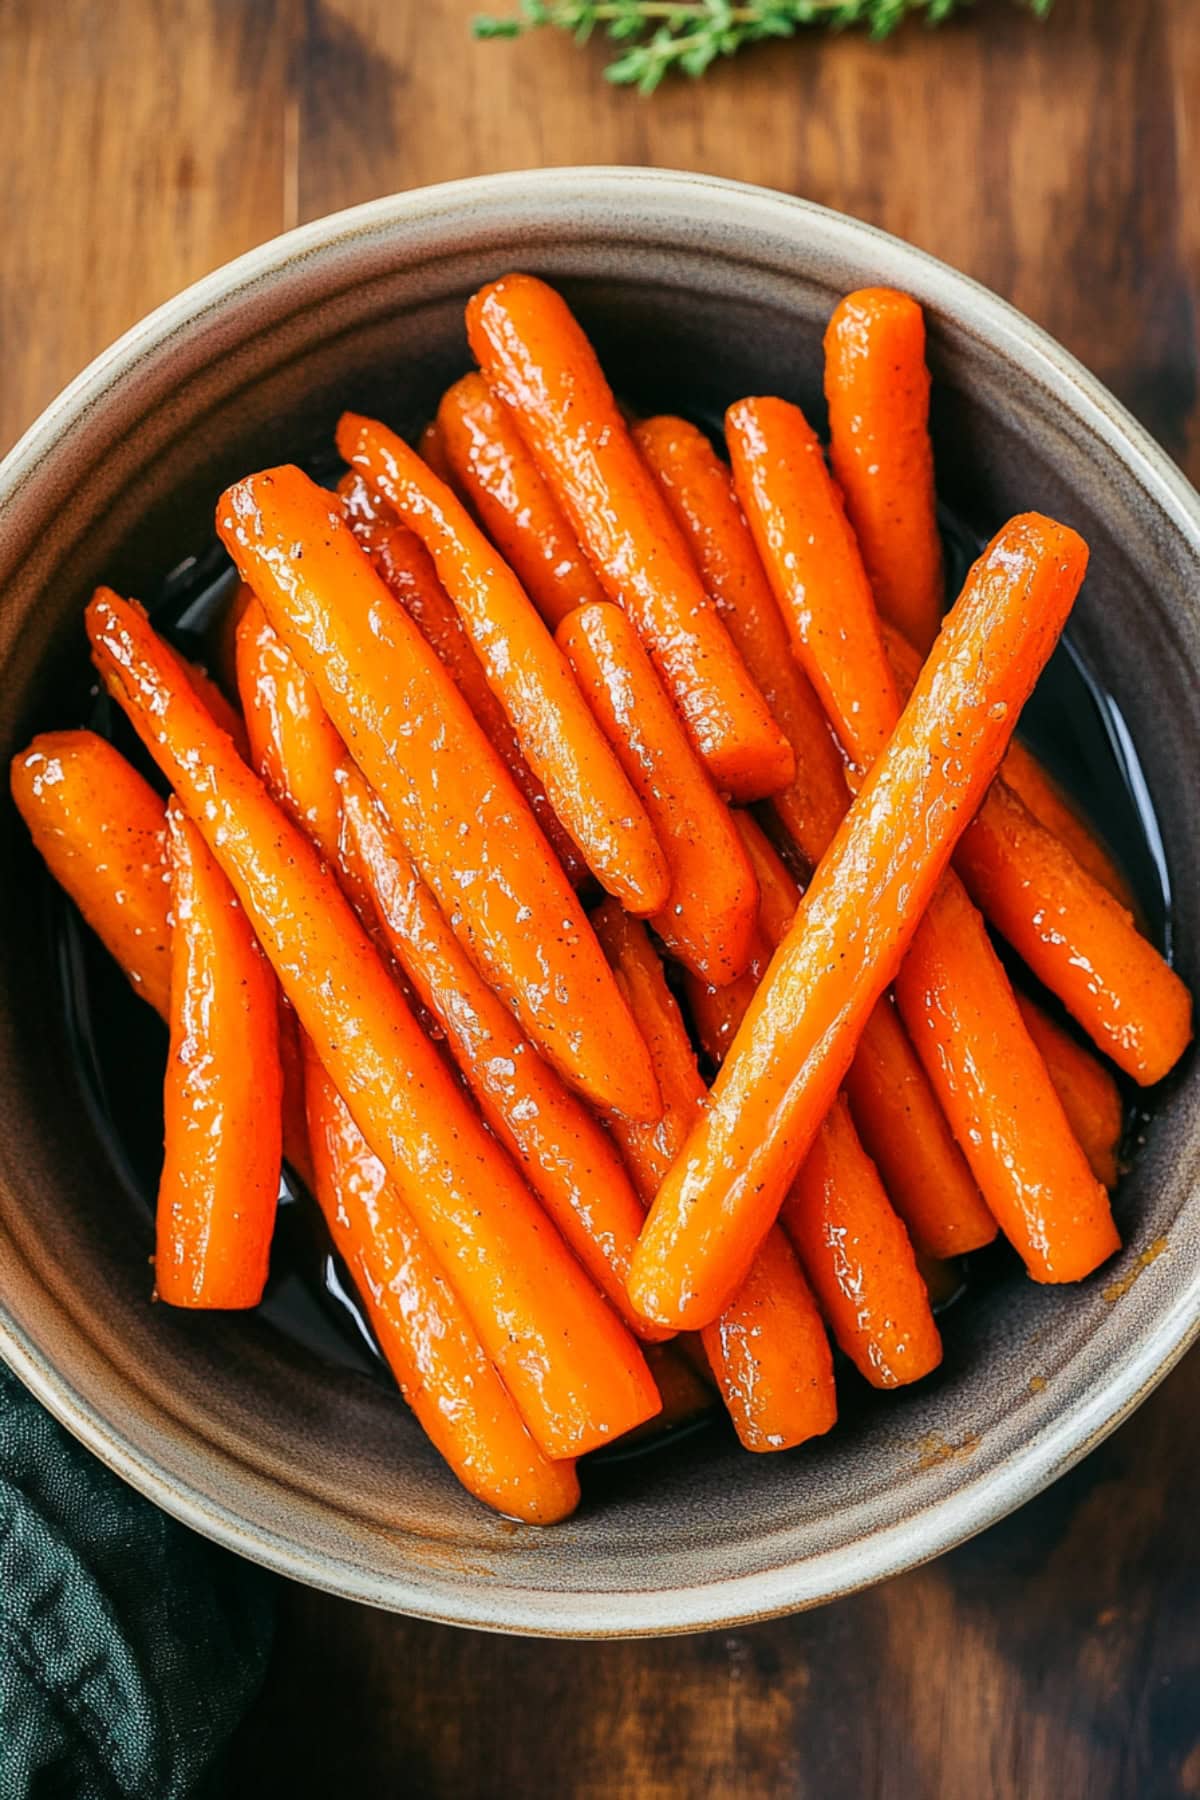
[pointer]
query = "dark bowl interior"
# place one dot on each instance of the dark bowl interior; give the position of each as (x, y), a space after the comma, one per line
(273, 1432)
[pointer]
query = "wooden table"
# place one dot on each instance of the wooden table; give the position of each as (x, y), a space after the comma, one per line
(142, 142)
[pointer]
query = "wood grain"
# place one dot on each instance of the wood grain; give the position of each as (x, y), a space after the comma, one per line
(143, 142)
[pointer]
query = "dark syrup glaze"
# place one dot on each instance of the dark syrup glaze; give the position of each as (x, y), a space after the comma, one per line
(118, 1045)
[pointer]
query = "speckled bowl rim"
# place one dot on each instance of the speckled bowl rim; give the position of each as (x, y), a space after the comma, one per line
(1055, 1446)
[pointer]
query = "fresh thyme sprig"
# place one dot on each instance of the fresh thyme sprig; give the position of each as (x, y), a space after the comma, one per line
(688, 35)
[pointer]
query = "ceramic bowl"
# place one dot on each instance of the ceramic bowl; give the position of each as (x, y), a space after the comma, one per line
(697, 291)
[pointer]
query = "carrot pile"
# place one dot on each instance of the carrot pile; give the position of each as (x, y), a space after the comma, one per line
(619, 1100)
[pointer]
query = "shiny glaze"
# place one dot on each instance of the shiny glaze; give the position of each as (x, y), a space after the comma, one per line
(571, 1367)
(1089, 1092)
(292, 743)
(707, 921)
(525, 669)
(493, 469)
(446, 791)
(538, 361)
(877, 389)
(421, 1326)
(222, 1096)
(1047, 802)
(854, 925)
(564, 1153)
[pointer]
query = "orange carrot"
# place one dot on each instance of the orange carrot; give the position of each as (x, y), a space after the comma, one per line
(767, 1351)
(564, 1154)
(708, 919)
(223, 637)
(1079, 941)
(99, 828)
(853, 926)
(894, 1107)
(686, 1392)
(445, 789)
(422, 1328)
(877, 387)
(1047, 802)
(293, 745)
(697, 487)
(857, 1255)
(492, 467)
(571, 1367)
(222, 1095)
(525, 669)
(431, 448)
(540, 364)
(1050, 1206)
(226, 715)
(401, 560)
(1091, 1098)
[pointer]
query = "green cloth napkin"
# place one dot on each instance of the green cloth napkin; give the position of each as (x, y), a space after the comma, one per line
(129, 1647)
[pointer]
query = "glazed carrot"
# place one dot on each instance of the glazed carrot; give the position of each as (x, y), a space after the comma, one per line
(767, 1351)
(222, 1095)
(226, 715)
(697, 487)
(1078, 940)
(570, 1365)
(877, 389)
(293, 745)
(450, 797)
(401, 560)
(1091, 1098)
(858, 1257)
(1050, 1206)
(686, 1393)
(421, 1326)
(894, 1107)
(223, 638)
(1047, 802)
(525, 669)
(565, 1156)
(504, 486)
(539, 363)
(99, 828)
(853, 926)
(708, 920)
(431, 448)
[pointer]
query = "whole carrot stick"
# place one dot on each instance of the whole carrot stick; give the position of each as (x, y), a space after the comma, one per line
(525, 669)
(222, 1095)
(853, 926)
(293, 744)
(539, 363)
(1079, 941)
(1051, 1208)
(422, 1328)
(504, 485)
(99, 828)
(566, 1157)
(570, 1365)
(903, 1128)
(401, 560)
(1090, 1096)
(708, 919)
(877, 389)
(1047, 802)
(767, 1351)
(697, 487)
(450, 797)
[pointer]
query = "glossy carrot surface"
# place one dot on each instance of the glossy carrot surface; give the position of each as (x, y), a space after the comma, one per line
(854, 925)
(877, 390)
(1047, 802)
(293, 744)
(565, 1155)
(422, 1328)
(525, 669)
(572, 1368)
(539, 363)
(1090, 1096)
(222, 1095)
(493, 468)
(707, 921)
(698, 488)
(450, 797)
(767, 1351)
(98, 825)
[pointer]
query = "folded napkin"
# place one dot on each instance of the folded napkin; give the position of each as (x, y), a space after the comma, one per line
(129, 1647)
